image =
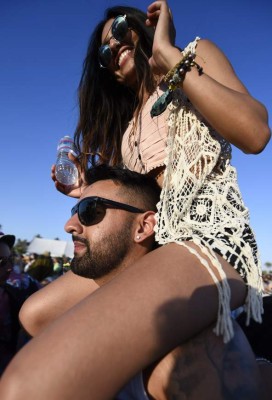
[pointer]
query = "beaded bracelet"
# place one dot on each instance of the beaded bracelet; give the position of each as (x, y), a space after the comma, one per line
(173, 78)
(177, 74)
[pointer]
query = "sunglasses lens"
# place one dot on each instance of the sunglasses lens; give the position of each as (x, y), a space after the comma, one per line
(87, 211)
(105, 55)
(119, 28)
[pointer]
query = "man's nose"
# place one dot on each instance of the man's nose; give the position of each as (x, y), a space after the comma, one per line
(73, 225)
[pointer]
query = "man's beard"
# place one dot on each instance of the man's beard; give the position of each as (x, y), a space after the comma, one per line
(104, 256)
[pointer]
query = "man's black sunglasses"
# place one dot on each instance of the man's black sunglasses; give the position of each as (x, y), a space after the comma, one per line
(87, 209)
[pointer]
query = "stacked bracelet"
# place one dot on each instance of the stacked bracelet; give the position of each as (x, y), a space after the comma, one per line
(177, 74)
(173, 78)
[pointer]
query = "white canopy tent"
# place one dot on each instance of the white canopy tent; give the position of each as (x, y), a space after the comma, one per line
(57, 248)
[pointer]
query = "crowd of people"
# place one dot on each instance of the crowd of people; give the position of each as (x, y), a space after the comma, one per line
(164, 255)
(42, 267)
(21, 276)
(15, 288)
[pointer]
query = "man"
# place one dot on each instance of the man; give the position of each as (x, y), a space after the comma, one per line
(14, 289)
(109, 234)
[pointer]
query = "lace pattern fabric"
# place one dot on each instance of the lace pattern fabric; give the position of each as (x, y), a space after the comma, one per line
(200, 199)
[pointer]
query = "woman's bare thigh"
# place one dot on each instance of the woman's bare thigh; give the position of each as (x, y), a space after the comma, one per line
(191, 288)
(158, 303)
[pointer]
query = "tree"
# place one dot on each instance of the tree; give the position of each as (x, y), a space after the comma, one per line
(268, 264)
(21, 246)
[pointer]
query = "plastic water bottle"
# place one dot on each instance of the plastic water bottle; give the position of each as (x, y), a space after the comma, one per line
(66, 170)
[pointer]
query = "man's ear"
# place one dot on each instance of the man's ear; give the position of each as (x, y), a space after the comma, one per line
(145, 226)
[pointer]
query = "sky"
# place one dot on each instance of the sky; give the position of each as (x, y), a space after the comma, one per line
(42, 47)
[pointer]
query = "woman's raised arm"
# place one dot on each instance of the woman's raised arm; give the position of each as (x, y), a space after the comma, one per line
(217, 93)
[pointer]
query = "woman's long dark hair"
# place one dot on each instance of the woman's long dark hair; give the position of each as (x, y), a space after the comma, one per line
(105, 105)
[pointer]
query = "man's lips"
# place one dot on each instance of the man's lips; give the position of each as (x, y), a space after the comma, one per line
(79, 246)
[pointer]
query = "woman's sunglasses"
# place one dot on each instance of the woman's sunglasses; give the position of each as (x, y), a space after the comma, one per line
(93, 209)
(119, 29)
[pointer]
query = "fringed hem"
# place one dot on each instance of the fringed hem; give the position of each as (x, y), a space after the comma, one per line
(200, 199)
(253, 303)
(224, 325)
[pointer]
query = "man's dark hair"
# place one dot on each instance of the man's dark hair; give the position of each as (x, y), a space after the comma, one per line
(135, 186)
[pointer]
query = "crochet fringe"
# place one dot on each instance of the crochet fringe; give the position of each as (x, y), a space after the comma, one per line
(200, 196)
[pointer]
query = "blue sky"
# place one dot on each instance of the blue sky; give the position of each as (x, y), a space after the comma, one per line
(42, 47)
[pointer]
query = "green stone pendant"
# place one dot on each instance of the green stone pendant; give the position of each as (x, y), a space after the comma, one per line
(160, 105)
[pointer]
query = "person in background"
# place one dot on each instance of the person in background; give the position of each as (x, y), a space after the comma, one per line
(57, 266)
(42, 268)
(29, 261)
(15, 288)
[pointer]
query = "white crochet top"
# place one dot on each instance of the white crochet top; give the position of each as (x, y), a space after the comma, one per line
(201, 198)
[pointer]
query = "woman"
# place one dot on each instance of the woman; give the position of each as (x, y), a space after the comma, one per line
(130, 63)
(209, 256)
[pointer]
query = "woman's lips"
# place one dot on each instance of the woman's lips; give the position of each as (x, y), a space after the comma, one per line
(122, 55)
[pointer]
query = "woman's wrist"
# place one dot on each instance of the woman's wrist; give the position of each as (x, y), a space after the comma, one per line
(169, 58)
(176, 75)
(174, 78)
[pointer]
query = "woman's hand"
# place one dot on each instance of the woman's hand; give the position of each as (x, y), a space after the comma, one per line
(72, 190)
(164, 52)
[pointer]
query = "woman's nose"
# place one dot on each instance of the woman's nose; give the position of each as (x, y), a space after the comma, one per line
(113, 43)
